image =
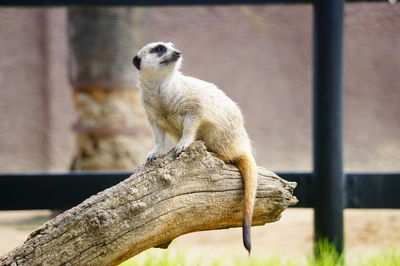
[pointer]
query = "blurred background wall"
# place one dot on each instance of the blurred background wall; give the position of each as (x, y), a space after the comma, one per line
(259, 55)
(36, 111)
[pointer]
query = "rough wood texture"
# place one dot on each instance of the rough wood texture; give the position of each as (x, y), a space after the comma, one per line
(158, 203)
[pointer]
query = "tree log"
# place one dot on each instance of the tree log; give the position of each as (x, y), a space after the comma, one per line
(158, 203)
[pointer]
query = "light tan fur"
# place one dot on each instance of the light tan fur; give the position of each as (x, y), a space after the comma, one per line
(190, 109)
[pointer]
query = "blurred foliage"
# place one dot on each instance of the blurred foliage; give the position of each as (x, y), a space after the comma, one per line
(328, 257)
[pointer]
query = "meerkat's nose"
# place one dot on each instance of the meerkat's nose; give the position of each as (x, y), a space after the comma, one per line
(177, 54)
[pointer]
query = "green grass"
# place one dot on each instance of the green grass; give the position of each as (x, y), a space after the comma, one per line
(158, 258)
(328, 257)
(389, 257)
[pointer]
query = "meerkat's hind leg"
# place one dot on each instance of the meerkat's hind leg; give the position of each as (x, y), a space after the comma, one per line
(190, 125)
(221, 157)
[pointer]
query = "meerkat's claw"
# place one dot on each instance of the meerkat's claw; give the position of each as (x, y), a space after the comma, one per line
(151, 158)
(178, 151)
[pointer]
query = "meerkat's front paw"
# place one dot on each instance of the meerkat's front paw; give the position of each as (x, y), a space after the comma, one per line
(179, 149)
(152, 157)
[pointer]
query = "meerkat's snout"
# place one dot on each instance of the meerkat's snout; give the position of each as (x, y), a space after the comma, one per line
(175, 55)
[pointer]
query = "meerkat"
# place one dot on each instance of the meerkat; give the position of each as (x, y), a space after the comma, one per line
(190, 109)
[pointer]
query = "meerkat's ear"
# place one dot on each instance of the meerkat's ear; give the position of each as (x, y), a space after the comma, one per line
(136, 62)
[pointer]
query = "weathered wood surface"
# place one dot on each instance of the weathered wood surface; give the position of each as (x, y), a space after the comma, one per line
(158, 203)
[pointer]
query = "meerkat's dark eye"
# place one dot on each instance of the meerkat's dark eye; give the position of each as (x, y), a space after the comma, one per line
(159, 49)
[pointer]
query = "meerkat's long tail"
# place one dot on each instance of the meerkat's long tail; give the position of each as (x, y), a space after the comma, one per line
(248, 169)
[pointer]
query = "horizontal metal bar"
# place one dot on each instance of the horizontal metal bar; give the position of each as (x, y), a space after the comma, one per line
(64, 190)
(53, 3)
(143, 2)
(53, 191)
(362, 190)
(304, 190)
(373, 190)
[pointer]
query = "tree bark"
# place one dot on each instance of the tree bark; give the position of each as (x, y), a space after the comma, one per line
(158, 203)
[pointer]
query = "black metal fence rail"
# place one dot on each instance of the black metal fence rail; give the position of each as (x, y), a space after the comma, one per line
(51, 3)
(32, 191)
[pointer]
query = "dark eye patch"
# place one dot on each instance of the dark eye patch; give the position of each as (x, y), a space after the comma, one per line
(159, 49)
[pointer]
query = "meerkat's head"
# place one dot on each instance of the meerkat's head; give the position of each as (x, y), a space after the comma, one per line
(157, 58)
